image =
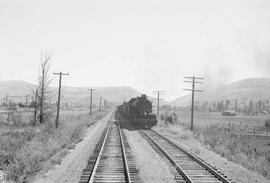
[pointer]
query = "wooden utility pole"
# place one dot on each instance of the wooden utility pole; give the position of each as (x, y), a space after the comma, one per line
(100, 100)
(158, 98)
(59, 96)
(91, 95)
(193, 81)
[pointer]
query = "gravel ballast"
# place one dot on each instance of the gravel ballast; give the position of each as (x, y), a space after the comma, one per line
(152, 169)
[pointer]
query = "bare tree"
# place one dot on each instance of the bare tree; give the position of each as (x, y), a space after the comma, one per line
(44, 81)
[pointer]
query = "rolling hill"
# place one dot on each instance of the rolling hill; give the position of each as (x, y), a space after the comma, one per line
(247, 89)
(17, 90)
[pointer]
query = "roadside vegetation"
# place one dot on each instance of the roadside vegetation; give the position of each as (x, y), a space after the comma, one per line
(23, 147)
(250, 150)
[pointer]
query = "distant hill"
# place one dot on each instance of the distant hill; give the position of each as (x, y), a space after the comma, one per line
(17, 90)
(247, 89)
(116, 95)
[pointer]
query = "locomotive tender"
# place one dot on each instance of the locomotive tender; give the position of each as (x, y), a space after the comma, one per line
(139, 112)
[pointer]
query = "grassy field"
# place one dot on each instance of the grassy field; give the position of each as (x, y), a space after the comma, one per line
(221, 135)
(250, 151)
(204, 119)
(24, 148)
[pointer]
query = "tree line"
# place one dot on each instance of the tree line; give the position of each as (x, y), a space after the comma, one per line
(243, 106)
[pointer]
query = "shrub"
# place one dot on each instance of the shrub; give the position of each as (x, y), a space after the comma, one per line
(17, 118)
(195, 150)
(186, 135)
(183, 134)
(162, 116)
(267, 123)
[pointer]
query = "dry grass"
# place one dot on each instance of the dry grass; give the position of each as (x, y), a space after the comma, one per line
(195, 150)
(175, 130)
(251, 152)
(23, 149)
(180, 132)
(221, 135)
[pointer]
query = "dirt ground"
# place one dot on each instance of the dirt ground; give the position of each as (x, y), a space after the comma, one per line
(71, 167)
(234, 171)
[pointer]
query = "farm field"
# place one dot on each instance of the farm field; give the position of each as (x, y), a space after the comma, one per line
(204, 119)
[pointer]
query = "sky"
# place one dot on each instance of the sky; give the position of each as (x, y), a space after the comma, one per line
(145, 44)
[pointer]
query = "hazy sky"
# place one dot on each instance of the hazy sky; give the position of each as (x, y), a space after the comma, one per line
(146, 44)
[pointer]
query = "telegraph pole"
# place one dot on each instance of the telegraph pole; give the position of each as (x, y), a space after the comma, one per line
(91, 91)
(100, 100)
(59, 96)
(193, 81)
(158, 98)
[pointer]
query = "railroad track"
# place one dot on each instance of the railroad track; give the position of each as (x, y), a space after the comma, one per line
(189, 168)
(112, 160)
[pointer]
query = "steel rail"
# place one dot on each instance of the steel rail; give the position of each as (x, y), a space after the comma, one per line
(124, 154)
(99, 155)
(195, 158)
(171, 159)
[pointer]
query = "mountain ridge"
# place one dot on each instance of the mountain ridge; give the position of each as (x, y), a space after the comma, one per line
(115, 94)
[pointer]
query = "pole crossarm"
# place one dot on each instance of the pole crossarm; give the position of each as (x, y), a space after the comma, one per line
(194, 90)
(58, 73)
(194, 77)
(194, 82)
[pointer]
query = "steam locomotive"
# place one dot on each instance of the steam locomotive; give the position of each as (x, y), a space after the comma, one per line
(139, 112)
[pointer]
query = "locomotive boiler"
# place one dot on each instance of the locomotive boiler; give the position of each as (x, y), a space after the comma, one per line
(139, 112)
